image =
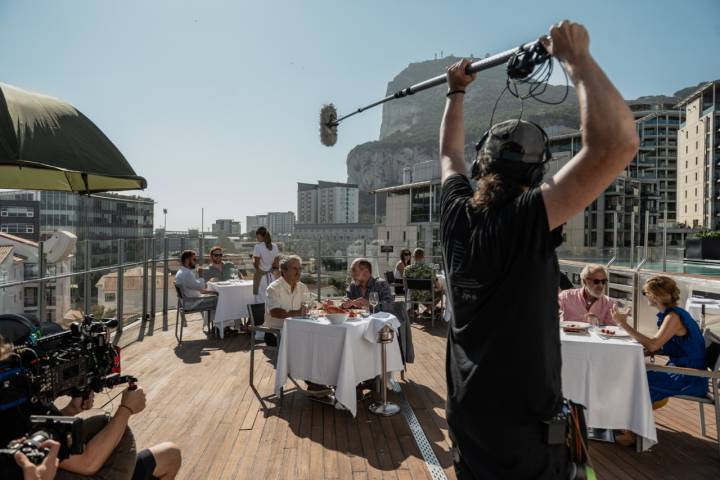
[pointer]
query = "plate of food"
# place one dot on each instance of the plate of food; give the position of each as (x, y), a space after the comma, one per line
(613, 331)
(574, 326)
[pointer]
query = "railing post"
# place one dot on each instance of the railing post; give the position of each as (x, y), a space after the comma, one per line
(119, 288)
(41, 273)
(647, 233)
(664, 250)
(86, 278)
(166, 279)
(364, 247)
(318, 267)
(144, 281)
(632, 240)
(615, 233)
(153, 278)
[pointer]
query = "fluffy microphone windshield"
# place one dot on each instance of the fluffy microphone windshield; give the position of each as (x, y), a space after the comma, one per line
(328, 127)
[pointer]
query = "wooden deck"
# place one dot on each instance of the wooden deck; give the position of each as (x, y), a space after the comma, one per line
(198, 396)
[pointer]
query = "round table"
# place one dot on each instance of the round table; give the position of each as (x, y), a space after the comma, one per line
(234, 296)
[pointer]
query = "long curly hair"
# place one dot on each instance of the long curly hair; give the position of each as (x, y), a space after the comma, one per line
(493, 190)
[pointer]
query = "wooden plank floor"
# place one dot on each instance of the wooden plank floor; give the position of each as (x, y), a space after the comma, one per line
(198, 396)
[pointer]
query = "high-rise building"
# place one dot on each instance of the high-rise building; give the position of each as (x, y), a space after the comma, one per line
(20, 218)
(104, 217)
(327, 203)
(698, 159)
(645, 191)
(253, 222)
(227, 227)
(281, 223)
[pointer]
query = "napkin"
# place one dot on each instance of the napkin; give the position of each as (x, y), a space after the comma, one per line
(377, 322)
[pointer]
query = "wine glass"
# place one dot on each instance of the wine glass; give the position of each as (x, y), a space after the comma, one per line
(374, 300)
(308, 302)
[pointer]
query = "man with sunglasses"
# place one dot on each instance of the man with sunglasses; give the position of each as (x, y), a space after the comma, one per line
(218, 270)
(588, 303)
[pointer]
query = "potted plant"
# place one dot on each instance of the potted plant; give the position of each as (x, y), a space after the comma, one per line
(703, 245)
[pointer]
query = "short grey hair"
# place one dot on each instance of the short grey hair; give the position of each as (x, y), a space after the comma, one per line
(592, 268)
(286, 259)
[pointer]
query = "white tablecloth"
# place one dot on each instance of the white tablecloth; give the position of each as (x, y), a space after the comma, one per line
(233, 300)
(608, 377)
(317, 351)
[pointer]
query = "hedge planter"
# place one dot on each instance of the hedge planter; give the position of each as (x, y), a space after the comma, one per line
(702, 248)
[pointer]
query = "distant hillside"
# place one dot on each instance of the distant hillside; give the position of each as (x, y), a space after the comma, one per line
(417, 119)
(409, 129)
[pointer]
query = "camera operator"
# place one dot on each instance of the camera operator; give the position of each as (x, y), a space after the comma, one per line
(47, 468)
(110, 452)
(503, 357)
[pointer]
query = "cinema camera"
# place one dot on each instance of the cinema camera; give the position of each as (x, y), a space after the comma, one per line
(73, 362)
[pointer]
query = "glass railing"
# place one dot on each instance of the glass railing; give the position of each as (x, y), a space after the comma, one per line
(132, 279)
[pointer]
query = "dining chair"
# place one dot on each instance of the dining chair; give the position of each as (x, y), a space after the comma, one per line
(256, 316)
(183, 308)
(420, 285)
(712, 373)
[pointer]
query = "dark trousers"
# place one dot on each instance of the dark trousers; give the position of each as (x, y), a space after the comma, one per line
(504, 451)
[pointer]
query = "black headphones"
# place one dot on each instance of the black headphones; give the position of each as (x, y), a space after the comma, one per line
(530, 174)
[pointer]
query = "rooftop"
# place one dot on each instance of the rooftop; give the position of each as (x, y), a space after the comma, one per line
(199, 397)
(14, 238)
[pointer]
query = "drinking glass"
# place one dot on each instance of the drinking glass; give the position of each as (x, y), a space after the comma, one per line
(234, 274)
(374, 300)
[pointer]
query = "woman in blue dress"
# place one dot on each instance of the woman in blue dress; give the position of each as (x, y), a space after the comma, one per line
(678, 336)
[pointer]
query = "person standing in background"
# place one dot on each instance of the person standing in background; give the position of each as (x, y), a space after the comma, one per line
(265, 260)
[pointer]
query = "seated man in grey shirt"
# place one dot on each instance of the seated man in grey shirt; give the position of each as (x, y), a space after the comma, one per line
(363, 283)
(193, 289)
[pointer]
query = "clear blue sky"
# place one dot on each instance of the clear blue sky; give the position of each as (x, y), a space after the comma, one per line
(223, 96)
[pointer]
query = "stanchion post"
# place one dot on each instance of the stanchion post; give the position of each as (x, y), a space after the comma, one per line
(385, 408)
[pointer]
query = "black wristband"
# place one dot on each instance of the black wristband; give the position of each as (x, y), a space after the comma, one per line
(453, 92)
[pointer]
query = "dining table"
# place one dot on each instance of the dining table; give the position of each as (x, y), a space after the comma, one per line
(607, 376)
(234, 296)
(344, 355)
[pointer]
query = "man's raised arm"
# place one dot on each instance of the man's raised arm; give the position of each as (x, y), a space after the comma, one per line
(608, 129)
(452, 128)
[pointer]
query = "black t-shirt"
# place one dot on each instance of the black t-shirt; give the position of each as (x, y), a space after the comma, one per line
(503, 350)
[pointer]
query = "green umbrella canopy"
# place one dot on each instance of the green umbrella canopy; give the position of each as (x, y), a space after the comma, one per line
(47, 144)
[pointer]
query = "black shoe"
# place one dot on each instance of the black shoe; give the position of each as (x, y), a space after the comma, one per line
(270, 340)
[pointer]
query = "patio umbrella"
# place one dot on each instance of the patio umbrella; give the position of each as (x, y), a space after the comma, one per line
(47, 144)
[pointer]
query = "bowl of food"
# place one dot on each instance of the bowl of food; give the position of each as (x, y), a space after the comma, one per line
(337, 318)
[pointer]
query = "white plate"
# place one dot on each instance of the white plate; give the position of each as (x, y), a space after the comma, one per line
(574, 325)
(618, 332)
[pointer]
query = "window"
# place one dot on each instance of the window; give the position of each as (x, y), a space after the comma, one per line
(404, 236)
(696, 207)
(110, 297)
(686, 164)
(696, 191)
(31, 295)
(696, 176)
(685, 193)
(686, 208)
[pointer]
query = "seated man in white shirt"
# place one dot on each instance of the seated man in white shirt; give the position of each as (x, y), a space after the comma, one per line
(193, 288)
(286, 298)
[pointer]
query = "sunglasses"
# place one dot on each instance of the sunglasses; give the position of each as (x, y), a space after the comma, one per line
(217, 255)
(598, 282)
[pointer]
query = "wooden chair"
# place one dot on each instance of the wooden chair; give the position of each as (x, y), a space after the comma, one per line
(182, 310)
(712, 373)
(256, 316)
(421, 285)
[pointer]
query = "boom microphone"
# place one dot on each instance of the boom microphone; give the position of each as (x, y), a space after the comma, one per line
(521, 62)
